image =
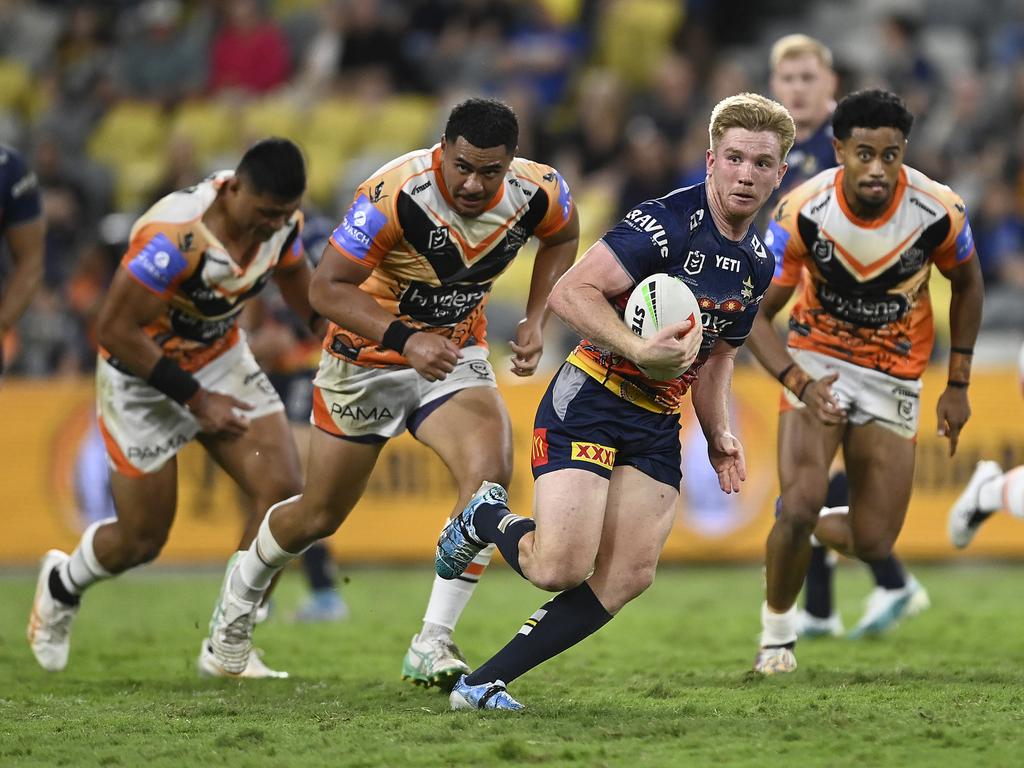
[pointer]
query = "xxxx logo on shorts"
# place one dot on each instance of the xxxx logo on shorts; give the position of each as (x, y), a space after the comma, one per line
(593, 453)
(539, 451)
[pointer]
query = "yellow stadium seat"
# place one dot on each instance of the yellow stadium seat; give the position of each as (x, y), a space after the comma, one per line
(15, 87)
(211, 126)
(129, 131)
(402, 124)
(270, 117)
(339, 123)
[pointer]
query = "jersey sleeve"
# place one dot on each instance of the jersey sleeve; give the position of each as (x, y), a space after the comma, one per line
(782, 238)
(156, 263)
(560, 203)
(958, 245)
(21, 201)
(370, 227)
(644, 238)
(293, 251)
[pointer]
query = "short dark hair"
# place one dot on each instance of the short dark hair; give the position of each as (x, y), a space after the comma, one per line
(873, 108)
(275, 167)
(484, 123)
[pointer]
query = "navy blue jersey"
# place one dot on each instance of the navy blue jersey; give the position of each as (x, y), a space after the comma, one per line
(19, 190)
(676, 234)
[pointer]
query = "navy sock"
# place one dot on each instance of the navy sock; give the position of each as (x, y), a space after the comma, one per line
(560, 624)
(888, 572)
(495, 523)
(59, 591)
(818, 585)
(316, 562)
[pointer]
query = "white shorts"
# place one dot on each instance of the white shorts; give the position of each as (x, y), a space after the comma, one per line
(867, 395)
(143, 428)
(374, 404)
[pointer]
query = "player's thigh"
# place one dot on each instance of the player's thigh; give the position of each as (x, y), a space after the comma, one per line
(805, 451)
(263, 461)
(638, 519)
(146, 503)
(472, 434)
(337, 472)
(569, 509)
(880, 466)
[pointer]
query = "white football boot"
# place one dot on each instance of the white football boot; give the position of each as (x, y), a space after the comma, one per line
(255, 668)
(49, 625)
(966, 516)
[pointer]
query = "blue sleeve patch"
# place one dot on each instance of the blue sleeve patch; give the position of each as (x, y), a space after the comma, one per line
(158, 263)
(360, 226)
(776, 239)
(964, 243)
(564, 197)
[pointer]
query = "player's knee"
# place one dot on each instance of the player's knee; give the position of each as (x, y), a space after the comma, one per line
(320, 521)
(558, 577)
(144, 548)
(872, 547)
(635, 583)
(800, 513)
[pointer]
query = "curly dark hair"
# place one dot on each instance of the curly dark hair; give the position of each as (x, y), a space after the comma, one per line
(873, 108)
(484, 123)
(274, 166)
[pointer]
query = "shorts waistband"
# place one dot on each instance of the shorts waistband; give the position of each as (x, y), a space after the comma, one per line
(617, 384)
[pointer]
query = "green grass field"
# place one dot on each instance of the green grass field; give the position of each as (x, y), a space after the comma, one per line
(665, 684)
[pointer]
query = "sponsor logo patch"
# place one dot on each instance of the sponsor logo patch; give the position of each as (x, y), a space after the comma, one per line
(539, 450)
(158, 263)
(360, 226)
(592, 453)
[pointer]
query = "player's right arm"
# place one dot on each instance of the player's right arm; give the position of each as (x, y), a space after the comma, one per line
(335, 294)
(582, 298)
(128, 309)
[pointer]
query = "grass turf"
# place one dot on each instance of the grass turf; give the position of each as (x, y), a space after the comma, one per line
(666, 683)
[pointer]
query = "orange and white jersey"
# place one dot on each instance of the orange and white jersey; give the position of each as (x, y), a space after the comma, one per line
(865, 297)
(432, 267)
(172, 254)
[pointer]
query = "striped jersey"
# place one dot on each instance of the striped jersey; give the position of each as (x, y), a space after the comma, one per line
(865, 297)
(431, 267)
(676, 234)
(172, 253)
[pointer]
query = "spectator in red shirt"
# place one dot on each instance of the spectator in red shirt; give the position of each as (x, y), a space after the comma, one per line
(250, 52)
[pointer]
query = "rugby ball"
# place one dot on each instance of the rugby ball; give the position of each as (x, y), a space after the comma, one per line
(656, 302)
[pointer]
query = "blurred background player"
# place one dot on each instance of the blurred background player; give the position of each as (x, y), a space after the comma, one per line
(606, 460)
(22, 228)
(860, 240)
(989, 490)
(175, 366)
(803, 80)
(404, 282)
(289, 353)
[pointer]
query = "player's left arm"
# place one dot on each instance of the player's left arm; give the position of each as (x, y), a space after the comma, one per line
(710, 396)
(555, 255)
(968, 294)
(293, 282)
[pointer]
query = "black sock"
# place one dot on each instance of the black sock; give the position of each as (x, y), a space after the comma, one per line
(60, 592)
(818, 585)
(838, 494)
(494, 523)
(888, 572)
(316, 562)
(559, 624)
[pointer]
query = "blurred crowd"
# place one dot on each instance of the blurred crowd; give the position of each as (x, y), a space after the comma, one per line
(117, 103)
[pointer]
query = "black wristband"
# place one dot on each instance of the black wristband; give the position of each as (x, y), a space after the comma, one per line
(969, 351)
(782, 374)
(958, 384)
(396, 336)
(803, 389)
(169, 378)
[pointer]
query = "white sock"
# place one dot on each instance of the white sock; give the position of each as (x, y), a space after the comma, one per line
(264, 558)
(448, 599)
(778, 628)
(83, 569)
(1005, 492)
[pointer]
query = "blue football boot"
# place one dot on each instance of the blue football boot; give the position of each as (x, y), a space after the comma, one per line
(459, 542)
(483, 696)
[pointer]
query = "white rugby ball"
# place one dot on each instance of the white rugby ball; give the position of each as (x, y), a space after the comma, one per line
(656, 302)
